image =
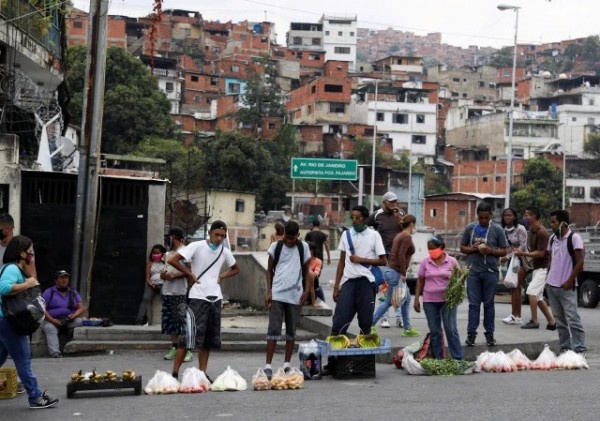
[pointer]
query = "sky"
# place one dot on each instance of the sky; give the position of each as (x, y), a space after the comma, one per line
(461, 22)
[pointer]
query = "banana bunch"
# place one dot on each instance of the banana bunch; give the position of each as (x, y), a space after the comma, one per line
(110, 376)
(338, 341)
(371, 340)
(77, 376)
(129, 375)
(96, 377)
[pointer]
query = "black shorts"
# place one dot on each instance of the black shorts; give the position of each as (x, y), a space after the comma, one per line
(203, 325)
(280, 312)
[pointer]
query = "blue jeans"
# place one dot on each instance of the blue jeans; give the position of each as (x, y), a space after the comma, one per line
(392, 277)
(357, 296)
(481, 288)
(437, 314)
(17, 346)
(564, 309)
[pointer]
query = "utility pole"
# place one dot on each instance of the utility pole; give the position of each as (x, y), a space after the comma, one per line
(84, 243)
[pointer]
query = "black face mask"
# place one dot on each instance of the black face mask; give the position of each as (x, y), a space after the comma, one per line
(65, 289)
(2, 235)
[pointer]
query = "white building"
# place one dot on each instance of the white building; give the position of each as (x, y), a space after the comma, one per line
(339, 39)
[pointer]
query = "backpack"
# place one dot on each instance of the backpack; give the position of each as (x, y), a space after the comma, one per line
(570, 249)
(278, 249)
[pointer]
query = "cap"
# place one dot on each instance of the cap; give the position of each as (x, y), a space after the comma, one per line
(390, 197)
(61, 273)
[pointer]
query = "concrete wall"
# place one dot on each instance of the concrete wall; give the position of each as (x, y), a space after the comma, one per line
(10, 174)
(250, 285)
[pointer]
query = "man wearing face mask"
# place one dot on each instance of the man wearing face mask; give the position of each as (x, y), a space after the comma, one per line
(63, 311)
(566, 262)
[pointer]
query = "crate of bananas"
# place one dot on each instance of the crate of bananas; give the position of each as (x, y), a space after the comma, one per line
(338, 345)
(109, 379)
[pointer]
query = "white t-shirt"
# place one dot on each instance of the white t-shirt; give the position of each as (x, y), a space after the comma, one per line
(200, 256)
(367, 244)
(177, 286)
(287, 280)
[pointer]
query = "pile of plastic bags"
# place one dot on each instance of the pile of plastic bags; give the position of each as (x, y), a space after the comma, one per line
(294, 379)
(499, 362)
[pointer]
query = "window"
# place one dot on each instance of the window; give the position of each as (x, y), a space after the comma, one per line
(498, 178)
(454, 93)
(419, 139)
(506, 73)
(342, 50)
(433, 213)
(78, 24)
(314, 57)
(239, 205)
(337, 107)
(573, 118)
(316, 41)
(310, 109)
(351, 34)
(233, 88)
(380, 117)
(197, 98)
(481, 84)
(169, 87)
(595, 192)
(455, 79)
(485, 179)
(271, 126)
(214, 81)
(577, 192)
(194, 78)
(313, 89)
(340, 33)
(326, 32)
(462, 212)
(400, 118)
(420, 118)
(235, 68)
(297, 41)
(334, 88)
(591, 121)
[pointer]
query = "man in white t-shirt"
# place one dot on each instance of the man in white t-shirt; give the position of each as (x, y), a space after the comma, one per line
(354, 290)
(206, 259)
(287, 289)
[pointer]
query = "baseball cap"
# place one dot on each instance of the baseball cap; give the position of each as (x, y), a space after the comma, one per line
(61, 273)
(390, 197)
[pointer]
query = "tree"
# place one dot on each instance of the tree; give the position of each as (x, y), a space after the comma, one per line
(502, 57)
(542, 187)
(134, 107)
(592, 144)
(363, 152)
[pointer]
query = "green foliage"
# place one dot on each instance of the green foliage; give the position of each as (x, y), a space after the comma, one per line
(436, 184)
(542, 187)
(503, 57)
(363, 152)
(134, 107)
(592, 144)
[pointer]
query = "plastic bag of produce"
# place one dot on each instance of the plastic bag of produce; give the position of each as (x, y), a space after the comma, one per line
(295, 379)
(521, 361)
(411, 365)
(399, 294)
(162, 383)
(482, 361)
(260, 380)
(546, 360)
(279, 380)
(499, 362)
(570, 360)
(229, 380)
(194, 381)
(511, 279)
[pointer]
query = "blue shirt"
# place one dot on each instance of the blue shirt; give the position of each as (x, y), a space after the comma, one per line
(11, 274)
(493, 236)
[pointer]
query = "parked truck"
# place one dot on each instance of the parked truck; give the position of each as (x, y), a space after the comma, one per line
(589, 279)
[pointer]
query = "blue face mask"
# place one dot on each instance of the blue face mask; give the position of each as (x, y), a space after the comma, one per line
(526, 221)
(213, 246)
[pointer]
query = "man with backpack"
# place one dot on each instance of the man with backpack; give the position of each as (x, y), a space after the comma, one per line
(288, 287)
(566, 262)
(63, 312)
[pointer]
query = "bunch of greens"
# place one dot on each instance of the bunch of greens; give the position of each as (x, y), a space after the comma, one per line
(435, 367)
(457, 290)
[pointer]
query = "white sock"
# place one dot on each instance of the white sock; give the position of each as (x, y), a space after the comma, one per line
(268, 366)
(286, 365)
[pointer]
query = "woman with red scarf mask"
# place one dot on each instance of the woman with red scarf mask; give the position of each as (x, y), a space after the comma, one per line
(433, 277)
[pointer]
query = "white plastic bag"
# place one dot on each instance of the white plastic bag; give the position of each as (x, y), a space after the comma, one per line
(194, 381)
(546, 360)
(499, 362)
(521, 361)
(412, 366)
(260, 380)
(399, 294)
(229, 380)
(162, 383)
(511, 279)
(570, 360)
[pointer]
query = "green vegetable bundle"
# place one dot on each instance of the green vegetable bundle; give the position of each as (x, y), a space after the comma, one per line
(435, 367)
(457, 290)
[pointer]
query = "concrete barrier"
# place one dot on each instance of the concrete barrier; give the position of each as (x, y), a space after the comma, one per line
(250, 285)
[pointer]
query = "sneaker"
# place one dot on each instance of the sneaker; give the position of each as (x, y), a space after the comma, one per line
(399, 324)
(551, 327)
(188, 357)
(470, 340)
(531, 325)
(411, 332)
(56, 355)
(268, 373)
(582, 353)
(512, 320)
(20, 388)
(287, 369)
(43, 401)
(489, 339)
(385, 324)
(175, 375)
(170, 355)
(208, 378)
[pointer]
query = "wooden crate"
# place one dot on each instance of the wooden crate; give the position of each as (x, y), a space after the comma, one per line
(8, 383)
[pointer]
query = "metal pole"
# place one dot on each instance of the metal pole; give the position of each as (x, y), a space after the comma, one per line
(84, 242)
(564, 165)
(371, 207)
(361, 185)
(512, 107)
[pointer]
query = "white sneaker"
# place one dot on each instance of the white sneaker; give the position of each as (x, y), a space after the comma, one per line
(385, 324)
(512, 320)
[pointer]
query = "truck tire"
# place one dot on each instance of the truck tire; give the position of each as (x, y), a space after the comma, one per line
(590, 294)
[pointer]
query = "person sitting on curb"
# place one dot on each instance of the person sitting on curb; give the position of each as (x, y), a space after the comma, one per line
(63, 312)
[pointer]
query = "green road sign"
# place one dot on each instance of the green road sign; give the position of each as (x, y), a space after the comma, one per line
(324, 169)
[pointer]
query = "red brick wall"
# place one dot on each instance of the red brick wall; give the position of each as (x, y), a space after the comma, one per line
(448, 213)
(584, 214)
(484, 176)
